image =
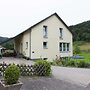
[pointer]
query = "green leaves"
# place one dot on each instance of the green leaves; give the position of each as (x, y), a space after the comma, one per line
(12, 74)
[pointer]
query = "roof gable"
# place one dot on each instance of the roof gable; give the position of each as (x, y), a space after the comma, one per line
(41, 22)
(48, 18)
(44, 20)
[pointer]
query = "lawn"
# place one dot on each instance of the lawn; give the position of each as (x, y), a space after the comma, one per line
(84, 50)
(85, 54)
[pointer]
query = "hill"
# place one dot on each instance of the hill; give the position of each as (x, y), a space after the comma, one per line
(2, 39)
(81, 32)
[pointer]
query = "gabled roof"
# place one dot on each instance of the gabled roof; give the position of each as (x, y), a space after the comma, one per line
(39, 23)
(44, 20)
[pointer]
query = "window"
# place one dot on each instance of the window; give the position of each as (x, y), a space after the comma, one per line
(60, 46)
(64, 46)
(67, 46)
(45, 45)
(61, 32)
(26, 45)
(44, 31)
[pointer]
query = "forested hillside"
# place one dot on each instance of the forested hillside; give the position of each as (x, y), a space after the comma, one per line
(2, 39)
(81, 32)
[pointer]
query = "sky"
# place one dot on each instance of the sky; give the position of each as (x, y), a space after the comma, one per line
(18, 15)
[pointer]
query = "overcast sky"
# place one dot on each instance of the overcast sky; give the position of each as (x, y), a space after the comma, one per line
(18, 15)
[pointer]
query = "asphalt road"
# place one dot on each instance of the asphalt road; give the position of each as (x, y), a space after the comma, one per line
(79, 76)
(45, 83)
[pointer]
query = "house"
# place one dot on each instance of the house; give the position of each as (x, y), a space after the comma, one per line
(2, 49)
(48, 39)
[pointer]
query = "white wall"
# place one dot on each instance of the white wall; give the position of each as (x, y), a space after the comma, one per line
(26, 38)
(53, 39)
(23, 39)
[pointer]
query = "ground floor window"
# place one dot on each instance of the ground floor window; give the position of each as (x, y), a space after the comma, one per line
(64, 46)
(45, 45)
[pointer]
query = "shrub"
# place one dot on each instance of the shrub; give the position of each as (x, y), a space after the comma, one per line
(76, 49)
(64, 62)
(8, 54)
(82, 64)
(42, 68)
(12, 74)
(71, 63)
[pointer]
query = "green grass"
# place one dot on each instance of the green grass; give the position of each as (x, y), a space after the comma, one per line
(86, 56)
(85, 50)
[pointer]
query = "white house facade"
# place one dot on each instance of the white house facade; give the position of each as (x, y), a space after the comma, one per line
(47, 39)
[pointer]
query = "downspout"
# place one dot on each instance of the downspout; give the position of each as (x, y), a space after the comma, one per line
(30, 45)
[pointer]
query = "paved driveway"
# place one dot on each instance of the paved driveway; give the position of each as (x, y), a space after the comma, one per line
(74, 75)
(16, 60)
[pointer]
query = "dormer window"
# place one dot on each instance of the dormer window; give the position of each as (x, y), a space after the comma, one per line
(45, 31)
(61, 32)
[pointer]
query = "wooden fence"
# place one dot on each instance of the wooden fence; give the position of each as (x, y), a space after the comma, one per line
(25, 70)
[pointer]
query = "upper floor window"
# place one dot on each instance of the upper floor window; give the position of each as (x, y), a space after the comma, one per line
(44, 31)
(61, 32)
(45, 45)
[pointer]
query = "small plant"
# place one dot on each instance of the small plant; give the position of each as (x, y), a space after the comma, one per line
(42, 68)
(56, 63)
(71, 63)
(12, 74)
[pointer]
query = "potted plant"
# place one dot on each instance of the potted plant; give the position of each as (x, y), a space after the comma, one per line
(11, 79)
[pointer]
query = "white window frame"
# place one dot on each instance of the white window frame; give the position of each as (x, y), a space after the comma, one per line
(64, 47)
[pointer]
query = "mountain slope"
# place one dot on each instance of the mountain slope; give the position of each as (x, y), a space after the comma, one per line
(2, 39)
(81, 32)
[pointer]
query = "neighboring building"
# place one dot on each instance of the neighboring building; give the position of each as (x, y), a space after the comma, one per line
(2, 49)
(47, 39)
